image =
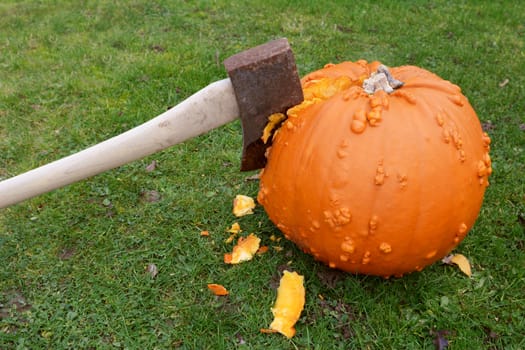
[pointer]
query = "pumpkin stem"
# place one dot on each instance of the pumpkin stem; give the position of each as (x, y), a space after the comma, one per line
(381, 80)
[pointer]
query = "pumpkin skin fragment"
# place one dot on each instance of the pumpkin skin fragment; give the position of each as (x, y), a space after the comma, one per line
(218, 289)
(380, 184)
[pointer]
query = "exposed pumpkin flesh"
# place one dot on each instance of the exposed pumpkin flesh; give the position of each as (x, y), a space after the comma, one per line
(273, 122)
(243, 205)
(234, 230)
(289, 304)
(244, 250)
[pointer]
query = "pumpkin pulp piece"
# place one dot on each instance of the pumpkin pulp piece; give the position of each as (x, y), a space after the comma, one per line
(289, 303)
(244, 250)
(243, 205)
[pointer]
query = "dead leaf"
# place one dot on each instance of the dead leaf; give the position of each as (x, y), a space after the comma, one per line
(488, 126)
(440, 341)
(459, 260)
(503, 83)
(244, 250)
(152, 166)
(16, 303)
(67, 253)
(240, 339)
(276, 278)
(342, 313)
(152, 270)
(218, 289)
(243, 205)
(491, 337)
(330, 277)
(157, 48)
(150, 196)
(254, 177)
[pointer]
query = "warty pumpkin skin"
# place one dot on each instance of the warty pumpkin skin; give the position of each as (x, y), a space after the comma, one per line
(381, 184)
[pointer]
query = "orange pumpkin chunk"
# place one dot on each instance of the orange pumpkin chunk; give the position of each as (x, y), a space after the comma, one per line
(263, 249)
(289, 304)
(244, 250)
(243, 205)
(234, 230)
(218, 289)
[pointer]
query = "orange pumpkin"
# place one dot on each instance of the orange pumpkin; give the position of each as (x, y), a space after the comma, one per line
(374, 182)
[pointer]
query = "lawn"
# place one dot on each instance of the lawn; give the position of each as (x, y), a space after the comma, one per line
(75, 261)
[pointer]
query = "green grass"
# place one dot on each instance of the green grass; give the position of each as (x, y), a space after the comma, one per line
(73, 261)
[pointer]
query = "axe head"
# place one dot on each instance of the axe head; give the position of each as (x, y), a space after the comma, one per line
(265, 81)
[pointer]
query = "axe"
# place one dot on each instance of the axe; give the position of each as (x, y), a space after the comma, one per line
(263, 80)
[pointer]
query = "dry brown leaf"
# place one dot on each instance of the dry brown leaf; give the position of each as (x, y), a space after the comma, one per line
(440, 339)
(150, 196)
(460, 261)
(504, 82)
(243, 205)
(218, 289)
(152, 166)
(254, 177)
(152, 270)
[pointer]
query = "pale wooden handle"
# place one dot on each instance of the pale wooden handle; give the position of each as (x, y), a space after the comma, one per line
(211, 107)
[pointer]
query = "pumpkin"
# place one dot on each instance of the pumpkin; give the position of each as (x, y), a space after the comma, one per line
(378, 171)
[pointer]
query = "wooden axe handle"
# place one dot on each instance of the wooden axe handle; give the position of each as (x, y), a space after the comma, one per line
(209, 108)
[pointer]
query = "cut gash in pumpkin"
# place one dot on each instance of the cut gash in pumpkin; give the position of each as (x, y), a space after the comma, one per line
(379, 171)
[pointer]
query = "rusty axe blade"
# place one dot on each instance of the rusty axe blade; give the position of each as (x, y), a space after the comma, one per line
(266, 82)
(263, 80)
